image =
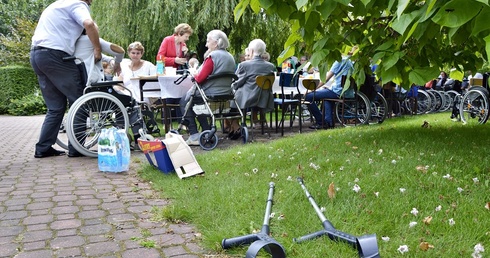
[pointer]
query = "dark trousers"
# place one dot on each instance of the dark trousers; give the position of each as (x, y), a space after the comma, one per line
(60, 84)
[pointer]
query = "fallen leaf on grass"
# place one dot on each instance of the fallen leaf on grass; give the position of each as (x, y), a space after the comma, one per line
(331, 191)
(427, 220)
(487, 206)
(424, 246)
(421, 168)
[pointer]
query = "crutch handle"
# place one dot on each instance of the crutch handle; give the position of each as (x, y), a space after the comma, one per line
(237, 241)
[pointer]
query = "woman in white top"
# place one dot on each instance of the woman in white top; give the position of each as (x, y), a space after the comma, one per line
(136, 67)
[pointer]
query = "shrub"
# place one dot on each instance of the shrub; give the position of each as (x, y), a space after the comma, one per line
(32, 104)
(17, 82)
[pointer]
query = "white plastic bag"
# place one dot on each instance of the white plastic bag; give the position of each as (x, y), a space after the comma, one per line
(113, 150)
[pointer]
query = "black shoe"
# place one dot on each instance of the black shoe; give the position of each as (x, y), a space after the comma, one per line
(319, 127)
(49, 153)
(75, 154)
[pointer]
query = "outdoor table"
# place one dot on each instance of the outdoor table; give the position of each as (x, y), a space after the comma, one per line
(163, 87)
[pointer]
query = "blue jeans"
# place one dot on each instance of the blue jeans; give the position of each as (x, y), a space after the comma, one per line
(60, 84)
(313, 107)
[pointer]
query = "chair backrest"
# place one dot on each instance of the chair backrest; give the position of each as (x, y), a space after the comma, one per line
(285, 80)
(265, 82)
(289, 80)
(310, 85)
(350, 93)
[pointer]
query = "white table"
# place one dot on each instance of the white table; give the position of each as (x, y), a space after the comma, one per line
(277, 89)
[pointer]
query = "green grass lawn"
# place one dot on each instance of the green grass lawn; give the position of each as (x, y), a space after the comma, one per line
(405, 183)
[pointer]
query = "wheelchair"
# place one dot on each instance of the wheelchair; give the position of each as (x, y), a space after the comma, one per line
(212, 108)
(102, 105)
(474, 106)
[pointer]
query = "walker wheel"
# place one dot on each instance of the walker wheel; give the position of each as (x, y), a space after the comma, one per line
(244, 131)
(207, 140)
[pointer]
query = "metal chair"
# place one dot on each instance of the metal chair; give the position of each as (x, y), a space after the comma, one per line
(287, 102)
(264, 82)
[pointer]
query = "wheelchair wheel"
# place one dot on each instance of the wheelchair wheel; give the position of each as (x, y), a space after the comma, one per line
(447, 102)
(424, 103)
(208, 141)
(474, 107)
(90, 114)
(379, 108)
(439, 100)
(244, 131)
(433, 101)
(62, 139)
(353, 111)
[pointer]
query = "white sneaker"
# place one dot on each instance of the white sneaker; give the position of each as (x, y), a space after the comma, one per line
(193, 140)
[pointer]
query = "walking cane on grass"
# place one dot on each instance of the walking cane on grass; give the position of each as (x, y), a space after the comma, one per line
(261, 239)
(366, 245)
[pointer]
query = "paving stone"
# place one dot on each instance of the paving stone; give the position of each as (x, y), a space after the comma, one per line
(67, 241)
(66, 224)
(141, 252)
(98, 249)
(43, 219)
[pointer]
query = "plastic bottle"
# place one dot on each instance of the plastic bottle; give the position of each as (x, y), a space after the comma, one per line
(160, 65)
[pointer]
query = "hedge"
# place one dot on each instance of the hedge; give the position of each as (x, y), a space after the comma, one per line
(17, 82)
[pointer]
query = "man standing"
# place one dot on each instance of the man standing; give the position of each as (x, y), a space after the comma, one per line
(58, 29)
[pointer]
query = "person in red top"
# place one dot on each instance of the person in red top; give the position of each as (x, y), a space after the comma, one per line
(173, 47)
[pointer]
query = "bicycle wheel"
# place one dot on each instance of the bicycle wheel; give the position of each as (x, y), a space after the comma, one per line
(379, 108)
(90, 114)
(474, 107)
(353, 111)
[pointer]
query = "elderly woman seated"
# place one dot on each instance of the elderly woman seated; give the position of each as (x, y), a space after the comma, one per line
(218, 60)
(248, 95)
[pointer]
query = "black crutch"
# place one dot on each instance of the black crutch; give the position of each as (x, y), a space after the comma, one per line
(366, 245)
(261, 239)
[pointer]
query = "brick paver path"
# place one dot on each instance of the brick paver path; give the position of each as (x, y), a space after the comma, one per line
(65, 207)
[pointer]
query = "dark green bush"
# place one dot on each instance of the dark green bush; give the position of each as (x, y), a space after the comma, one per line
(16, 82)
(32, 104)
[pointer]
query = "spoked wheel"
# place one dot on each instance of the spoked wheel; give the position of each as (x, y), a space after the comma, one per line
(433, 101)
(208, 141)
(91, 113)
(353, 111)
(447, 103)
(424, 103)
(244, 131)
(62, 139)
(379, 108)
(474, 107)
(439, 100)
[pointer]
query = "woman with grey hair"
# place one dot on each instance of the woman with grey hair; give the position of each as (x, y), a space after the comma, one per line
(218, 60)
(248, 94)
